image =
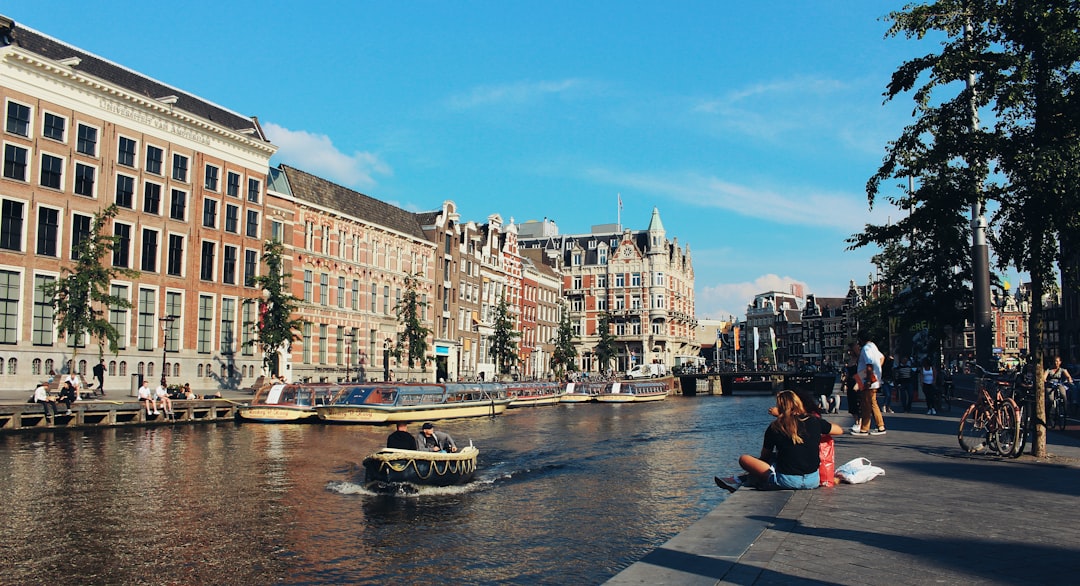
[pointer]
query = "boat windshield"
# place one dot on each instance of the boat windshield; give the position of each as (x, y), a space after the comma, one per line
(367, 395)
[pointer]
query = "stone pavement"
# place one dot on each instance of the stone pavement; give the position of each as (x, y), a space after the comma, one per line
(938, 515)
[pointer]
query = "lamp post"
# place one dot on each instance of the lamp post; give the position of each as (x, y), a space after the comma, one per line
(386, 358)
(348, 355)
(166, 323)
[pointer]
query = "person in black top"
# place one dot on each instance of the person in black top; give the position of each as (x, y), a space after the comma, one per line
(401, 438)
(790, 453)
(99, 376)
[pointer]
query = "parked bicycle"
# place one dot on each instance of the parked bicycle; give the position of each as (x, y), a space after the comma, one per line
(948, 392)
(992, 421)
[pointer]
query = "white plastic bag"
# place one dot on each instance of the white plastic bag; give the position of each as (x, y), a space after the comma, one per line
(858, 471)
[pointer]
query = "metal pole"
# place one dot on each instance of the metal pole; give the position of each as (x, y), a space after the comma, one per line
(980, 261)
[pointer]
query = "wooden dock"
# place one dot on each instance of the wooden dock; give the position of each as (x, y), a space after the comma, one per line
(98, 414)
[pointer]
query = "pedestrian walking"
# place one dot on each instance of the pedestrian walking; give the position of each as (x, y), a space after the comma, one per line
(868, 380)
(99, 376)
(904, 382)
(928, 374)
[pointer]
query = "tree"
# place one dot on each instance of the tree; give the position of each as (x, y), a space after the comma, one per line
(80, 296)
(412, 340)
(504, 339)
(277, 329)
(564, 356)
(605, 347)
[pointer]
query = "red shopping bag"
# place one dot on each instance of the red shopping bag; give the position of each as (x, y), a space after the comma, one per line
(827, 453)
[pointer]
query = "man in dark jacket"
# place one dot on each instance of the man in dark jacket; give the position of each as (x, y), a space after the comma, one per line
(401, 439)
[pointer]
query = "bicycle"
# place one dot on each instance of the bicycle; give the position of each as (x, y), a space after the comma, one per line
(992, 421)
(948, 393)
(1056, 408)
(1025, 394)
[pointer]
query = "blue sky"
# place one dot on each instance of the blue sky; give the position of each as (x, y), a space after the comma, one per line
(752, 126)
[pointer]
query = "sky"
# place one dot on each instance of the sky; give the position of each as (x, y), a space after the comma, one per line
(752, 127)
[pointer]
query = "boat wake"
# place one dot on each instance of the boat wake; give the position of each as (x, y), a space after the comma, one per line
(399, 489)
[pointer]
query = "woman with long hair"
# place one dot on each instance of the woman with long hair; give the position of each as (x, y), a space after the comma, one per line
(789, 454)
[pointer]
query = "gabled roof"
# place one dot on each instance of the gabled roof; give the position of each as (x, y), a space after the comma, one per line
(90, 64)
(329, 195)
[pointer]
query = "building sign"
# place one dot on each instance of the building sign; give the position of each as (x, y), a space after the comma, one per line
(153, 121)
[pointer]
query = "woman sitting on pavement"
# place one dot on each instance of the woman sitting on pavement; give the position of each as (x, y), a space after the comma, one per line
(790, 453)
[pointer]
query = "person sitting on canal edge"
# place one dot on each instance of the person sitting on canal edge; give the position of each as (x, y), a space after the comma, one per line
(435, 441)
(41, 395)
(162, 393)
(147, 399)
(188, 393)
(401, 439)
(67, 396)
(790, 454)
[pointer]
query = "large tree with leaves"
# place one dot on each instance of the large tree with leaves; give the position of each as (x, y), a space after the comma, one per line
(503, 340)
(277, 328)
(564, 356)
(81, 294)
(605, 348)
(412, 339)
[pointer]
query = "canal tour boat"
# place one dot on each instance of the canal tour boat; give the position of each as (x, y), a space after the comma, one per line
(389, 402)
(634, 392)
(530, 394)
(583, 392)
(387, 469)
(279, 403)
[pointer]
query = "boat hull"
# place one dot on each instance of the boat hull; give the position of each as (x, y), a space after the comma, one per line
(391, 467)
(577, 398)
(629, 398)
(386, 414)
(276, 414)
(534, 401)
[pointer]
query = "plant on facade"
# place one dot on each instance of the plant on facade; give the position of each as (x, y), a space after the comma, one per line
(277, 329)
(412, 339)
(1018, 61)
(503, 340)
(80, 295)
(605, 349)
(564, 355)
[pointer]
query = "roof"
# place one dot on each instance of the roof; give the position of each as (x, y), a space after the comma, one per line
(316, 190)
(90, 64)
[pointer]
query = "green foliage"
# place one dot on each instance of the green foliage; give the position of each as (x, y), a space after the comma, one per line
(605, 347)
(277, 329)
(564, 356)
(80, 296)
(412, 340)
(503, 340)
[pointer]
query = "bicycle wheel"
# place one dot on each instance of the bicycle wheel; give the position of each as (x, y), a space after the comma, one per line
(972, 434)
(1058, 418)
(946, 400)
(1024, 424)
(1006, 428)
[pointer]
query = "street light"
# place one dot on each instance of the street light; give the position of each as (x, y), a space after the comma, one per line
(348, 354)
(386, 358)
(166, 323)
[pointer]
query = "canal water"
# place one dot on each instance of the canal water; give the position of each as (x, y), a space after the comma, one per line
(567, 494)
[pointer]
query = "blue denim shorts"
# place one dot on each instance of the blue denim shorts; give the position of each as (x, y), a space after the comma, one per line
(793, 481)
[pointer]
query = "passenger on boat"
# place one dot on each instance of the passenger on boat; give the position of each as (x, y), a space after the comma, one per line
(435, 441)
(401, 439)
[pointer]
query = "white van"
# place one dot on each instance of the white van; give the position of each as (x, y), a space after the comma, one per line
(645, 371)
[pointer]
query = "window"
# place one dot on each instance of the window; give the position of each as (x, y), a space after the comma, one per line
(232, 219)
(576, 282)
(386, 299)
(118, 317)
(211, 181)
(209, 215)
(125, 154)
(228, 325)
(178, 205)
(147, 310)
(374, 297)
(356, 295)
(80, 229)
(601, 256)
(323, 335)
(601, 281)
(15, 162)
(228, 273)
(52, 171)
(125, 191)
(251, 265)
(635, 279)
(174, 305)
(152, 198)
(18, 119)
(84, 179)
(11, 225)
(277, 231)
(576, 259)
(247, 348)
(9, 307)
(341, 292)
(154, 158)
(309, 284)
(149, 250)
(176, 255)
(53, 127)
(86, 142)
(620, 280)
(206, 271)
(43, 313)
(253, 190)
(206, 324)
(306, 343)
(324, 289)
(252, 224)
(48, 231)
(179, 167)
(232, 184)
(122, 246)
(658, 280)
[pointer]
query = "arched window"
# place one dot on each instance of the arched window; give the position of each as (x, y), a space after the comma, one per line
(123, 368)
(35, 367)
(48, 366)
(200, 370)
(112, 368)
(149, 370)
(176, 369)
(12, 366)
(82, 367)
(141, 368)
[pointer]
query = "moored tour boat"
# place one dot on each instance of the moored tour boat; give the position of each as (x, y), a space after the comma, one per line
(280, 403)
(583, 392)
(391, 402)
(529, 394)
(391, 466)
(634, 392)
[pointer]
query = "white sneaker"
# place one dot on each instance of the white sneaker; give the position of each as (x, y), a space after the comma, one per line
(157, 413)
(856, 426)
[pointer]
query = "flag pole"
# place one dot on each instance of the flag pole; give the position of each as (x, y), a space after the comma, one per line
(618, 216)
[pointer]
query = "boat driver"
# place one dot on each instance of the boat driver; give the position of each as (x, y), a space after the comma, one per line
(430, 440)
(401, 439)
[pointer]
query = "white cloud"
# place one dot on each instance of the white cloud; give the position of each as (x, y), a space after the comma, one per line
(516, 93)
(316, 154)
(730, 299)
